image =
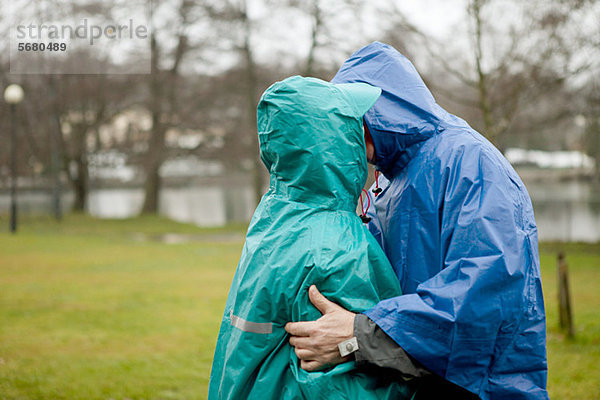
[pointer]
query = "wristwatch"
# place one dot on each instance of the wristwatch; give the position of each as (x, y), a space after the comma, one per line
(348, 346)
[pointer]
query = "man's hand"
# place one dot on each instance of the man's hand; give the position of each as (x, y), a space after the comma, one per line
(315, 342)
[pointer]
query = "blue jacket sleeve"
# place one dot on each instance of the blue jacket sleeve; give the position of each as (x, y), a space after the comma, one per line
(458, 318)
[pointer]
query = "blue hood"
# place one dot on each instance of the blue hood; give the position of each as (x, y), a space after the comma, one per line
(405, 115)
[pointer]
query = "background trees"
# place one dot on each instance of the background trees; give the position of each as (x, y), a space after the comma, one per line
(519, 72)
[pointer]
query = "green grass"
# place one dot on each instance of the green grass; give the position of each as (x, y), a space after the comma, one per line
(99, 309)
(573, 365)
(88, 311)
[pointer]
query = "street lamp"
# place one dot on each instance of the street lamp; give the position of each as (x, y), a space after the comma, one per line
(13, 95)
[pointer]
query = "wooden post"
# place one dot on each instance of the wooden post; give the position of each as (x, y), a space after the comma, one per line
(564, 297)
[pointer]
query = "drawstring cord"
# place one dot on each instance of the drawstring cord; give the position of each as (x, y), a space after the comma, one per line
(364, 217)
(377, 189)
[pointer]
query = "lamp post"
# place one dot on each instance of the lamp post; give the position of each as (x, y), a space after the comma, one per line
(13, 95)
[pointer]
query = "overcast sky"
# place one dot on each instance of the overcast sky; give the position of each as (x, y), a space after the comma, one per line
(284, 35)
(288, 33)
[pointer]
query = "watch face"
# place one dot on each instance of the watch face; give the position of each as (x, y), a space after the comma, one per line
(348, 346)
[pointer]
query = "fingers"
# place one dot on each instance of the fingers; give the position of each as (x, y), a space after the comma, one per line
(311, 365)
(304, 328)
(299, 341)
(299, 328)
(320, 301)
(304, 354)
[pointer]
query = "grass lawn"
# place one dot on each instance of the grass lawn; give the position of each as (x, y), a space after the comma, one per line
(102, 309)
(573, 365)
(90, 310)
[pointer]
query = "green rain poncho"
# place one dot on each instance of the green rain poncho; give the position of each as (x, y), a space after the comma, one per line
(305, 231)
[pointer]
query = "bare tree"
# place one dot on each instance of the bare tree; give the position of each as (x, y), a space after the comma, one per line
(323, 16)
(512, 67)
(163, 83)
(233, 17)
(82, 105)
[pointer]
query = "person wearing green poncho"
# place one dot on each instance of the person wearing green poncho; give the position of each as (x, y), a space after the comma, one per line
(304, 232)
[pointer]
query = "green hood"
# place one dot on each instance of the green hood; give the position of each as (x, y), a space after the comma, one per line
(311, 140)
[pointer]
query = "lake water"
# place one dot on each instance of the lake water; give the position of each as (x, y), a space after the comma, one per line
(204, 205)
(564, 210)
(567, 210)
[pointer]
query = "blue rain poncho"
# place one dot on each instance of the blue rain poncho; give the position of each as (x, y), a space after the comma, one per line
(457, 224)
(305, 231)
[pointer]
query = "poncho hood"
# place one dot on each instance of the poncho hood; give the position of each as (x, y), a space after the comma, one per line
(405, 115)
(311, 140)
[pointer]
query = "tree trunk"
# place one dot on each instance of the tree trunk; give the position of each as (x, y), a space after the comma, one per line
(156, 144)
(482, 88)
(80, 184)
(152, 165)
(163, 102)
(79, 179)
(152, 188)
(56, 150)
(593, 142)
(314, 37)
(254, 150)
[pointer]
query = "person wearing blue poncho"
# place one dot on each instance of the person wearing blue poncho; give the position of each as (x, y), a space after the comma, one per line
(457, 225)
(304, 232)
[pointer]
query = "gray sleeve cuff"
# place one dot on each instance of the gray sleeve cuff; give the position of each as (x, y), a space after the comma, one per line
(376, 347)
